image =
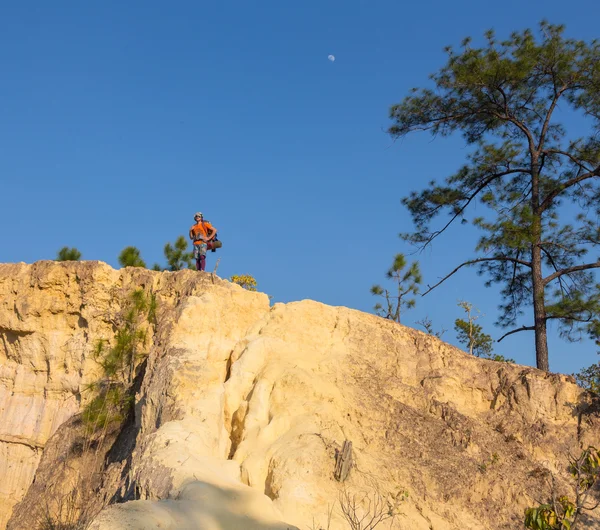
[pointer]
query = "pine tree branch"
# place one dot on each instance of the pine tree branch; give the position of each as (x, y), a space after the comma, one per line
(516, 122)
(522, 328)
(569, 270)
(473, 195)
(576, 161)
(478, 260)
(566, 185)
(549, 114)
(551, 260)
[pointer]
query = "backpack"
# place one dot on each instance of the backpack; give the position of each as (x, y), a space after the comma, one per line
(215, 243)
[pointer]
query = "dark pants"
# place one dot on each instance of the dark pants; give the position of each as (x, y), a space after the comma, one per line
(200, 255)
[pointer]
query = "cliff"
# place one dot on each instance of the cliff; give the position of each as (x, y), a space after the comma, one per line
(240, 409)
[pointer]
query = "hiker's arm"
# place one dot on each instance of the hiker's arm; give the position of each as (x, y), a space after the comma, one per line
(192, 234)
(213, 231)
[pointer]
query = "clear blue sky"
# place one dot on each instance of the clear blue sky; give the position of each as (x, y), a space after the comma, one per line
(119, 120)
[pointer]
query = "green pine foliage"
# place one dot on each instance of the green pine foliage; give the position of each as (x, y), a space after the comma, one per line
(131, 257)
(177, 255)
(522, 171)
(68, 254)
(471, 334)
(406, 284)
(589, 378)
(119, 361)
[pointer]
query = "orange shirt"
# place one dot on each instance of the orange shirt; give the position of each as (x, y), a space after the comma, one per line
(201, 229)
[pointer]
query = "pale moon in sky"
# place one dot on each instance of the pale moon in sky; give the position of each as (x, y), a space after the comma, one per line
(331, 57)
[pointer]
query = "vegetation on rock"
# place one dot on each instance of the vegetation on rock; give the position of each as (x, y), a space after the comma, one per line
(244, 280)
(564, 512)
(131, 257)
(406, 284)
(119, 362)
(68, 254)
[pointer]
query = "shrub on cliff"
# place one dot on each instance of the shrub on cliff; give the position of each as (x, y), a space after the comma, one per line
(131, 257)
(119, 363)
(68, 254)
(244, 280)
(563, 512)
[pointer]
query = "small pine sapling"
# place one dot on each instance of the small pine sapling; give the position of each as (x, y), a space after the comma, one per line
(471, 334)
(407, 284)
(68, 254)
(177, 256)
(131, 257)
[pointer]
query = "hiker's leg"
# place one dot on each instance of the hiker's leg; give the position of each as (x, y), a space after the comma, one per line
(199, 254)
(202, 255)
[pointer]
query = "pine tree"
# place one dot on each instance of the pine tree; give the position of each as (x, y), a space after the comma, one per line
(523, 169)
(68, 254)
(177, 256)
(471, 334)
(407, 283)
(130, 257)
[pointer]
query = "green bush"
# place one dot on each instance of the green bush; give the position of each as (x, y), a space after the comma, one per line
(178, 258)
(130, 257)
(68, 254)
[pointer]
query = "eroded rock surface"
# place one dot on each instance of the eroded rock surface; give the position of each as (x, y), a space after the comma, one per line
(242, 407)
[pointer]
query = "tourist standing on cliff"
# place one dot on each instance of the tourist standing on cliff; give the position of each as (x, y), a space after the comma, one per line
(201, 233)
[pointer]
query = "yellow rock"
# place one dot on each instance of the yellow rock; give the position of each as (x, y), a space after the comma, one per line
(243, 407)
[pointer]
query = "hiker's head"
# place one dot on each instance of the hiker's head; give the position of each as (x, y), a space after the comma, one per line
(198, 216)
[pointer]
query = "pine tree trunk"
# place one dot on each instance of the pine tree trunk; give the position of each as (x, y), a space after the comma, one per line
(539, 312)
(539, 299)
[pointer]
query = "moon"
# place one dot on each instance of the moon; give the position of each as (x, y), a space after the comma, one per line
(331, 57)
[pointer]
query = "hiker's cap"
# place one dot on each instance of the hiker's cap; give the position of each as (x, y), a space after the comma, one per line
(197, 214)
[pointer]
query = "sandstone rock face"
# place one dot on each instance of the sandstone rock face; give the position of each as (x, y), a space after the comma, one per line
(49, 317)
(243, 407)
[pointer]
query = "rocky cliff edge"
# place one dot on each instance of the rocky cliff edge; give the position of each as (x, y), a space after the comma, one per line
(241, 408)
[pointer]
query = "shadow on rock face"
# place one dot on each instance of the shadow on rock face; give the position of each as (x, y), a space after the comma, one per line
(199, 506)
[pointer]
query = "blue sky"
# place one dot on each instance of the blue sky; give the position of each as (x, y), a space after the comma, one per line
(119, 120)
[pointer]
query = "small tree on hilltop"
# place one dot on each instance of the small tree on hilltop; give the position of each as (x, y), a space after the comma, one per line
(130, 257)
(471, 334)
(178, 258)
(589, 378)
(68, 254)
(503, 98)
(407, 283)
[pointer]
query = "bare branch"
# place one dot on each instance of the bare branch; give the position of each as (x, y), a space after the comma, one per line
(570, 156)
(522, 328)
(566, 185)
(473, 195)
(570, 270)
